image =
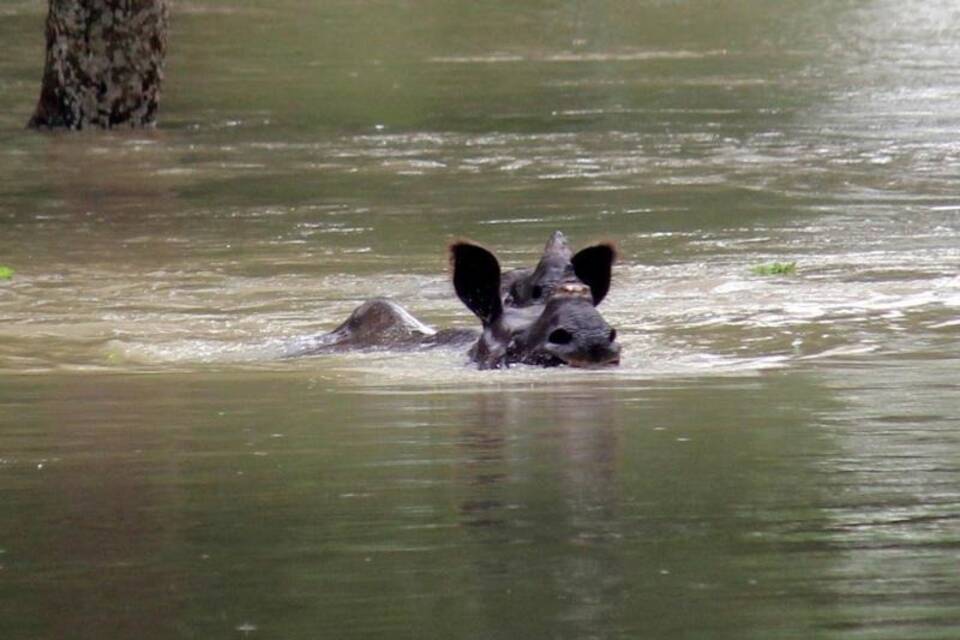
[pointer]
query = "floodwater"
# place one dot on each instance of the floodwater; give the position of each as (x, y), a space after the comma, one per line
(776, 457)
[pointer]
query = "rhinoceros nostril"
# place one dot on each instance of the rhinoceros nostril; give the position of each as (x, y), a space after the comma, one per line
(613, 335)
(560, 336)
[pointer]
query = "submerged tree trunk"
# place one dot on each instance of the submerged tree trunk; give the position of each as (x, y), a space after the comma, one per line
(104, 64)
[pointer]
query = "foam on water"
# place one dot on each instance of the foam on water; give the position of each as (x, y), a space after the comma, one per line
(673, 321)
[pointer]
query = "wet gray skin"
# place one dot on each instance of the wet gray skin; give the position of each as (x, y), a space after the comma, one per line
(379, 323)
(524, 287)
(569, 331)
(558, 326)
(565, 329)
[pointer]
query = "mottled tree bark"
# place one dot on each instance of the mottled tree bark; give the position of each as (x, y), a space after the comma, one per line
(104, 64)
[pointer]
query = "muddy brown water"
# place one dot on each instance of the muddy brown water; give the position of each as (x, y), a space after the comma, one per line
(776, 456)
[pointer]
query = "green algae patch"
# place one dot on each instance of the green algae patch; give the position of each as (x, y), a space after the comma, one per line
(775, 269)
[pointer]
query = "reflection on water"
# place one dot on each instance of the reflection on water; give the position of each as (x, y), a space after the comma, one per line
(218, 509)
(776, 456)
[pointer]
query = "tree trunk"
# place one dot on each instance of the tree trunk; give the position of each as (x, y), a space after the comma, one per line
(104, 64)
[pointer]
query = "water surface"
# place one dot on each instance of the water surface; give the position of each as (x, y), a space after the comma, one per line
(775, 457)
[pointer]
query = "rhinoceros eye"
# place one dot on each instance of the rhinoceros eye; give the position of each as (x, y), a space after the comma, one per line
(560, 336)
(536, 292)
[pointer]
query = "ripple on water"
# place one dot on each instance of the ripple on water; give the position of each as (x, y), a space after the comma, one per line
(675, 320)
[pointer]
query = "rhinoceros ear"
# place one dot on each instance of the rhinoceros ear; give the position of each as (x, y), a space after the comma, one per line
(592, 266)
(476, 278)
